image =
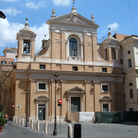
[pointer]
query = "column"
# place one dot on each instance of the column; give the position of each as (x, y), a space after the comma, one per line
(109, 54)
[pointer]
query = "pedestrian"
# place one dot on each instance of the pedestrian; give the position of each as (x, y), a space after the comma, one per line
(6, 118)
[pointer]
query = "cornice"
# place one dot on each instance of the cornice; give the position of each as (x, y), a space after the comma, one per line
(130, 40)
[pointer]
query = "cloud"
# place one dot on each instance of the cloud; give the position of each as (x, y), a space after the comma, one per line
(61, 2)
(113, 26)
(8, 32)
(33, 5)
(10, 0)
(40, 31)
(11, 11)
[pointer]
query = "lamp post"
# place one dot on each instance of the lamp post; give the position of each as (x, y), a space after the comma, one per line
(27, 93)
(55, 123)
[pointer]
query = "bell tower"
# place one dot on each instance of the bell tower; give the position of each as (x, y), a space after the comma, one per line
(110, 49)
(26, 43)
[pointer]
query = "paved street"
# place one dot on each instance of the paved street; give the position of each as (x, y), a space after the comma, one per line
(89, 130)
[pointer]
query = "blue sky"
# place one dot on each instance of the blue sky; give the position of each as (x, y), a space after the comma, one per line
(120, 15)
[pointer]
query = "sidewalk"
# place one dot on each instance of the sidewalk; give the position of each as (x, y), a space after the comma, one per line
(88, 130)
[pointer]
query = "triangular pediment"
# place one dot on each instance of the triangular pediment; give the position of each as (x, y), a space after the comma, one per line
(73, 19)
(76, 89)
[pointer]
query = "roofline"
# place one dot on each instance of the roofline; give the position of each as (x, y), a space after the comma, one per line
(60, 17)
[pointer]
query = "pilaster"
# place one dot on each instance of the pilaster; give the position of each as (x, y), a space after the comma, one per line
(85, 45)
(95, 55)
(63, 47)
(97, 90)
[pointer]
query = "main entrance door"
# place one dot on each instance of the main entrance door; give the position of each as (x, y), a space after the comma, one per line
(41, 112)
(75, 104)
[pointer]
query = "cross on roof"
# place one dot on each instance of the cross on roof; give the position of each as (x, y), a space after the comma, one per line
(73, 2)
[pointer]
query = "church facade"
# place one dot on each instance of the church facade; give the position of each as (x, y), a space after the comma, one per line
(89, 78)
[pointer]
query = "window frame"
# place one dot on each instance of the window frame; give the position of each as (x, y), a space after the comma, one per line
(41, 66)
(131, 109)
(29, 50)
(75, 51)
(108, 87)
(128, 52)
(3, 62)
(131, 93)
(46, 86)
(104, 69)
(113, 51)
(107, 107)
(75, 67)
(129, 63)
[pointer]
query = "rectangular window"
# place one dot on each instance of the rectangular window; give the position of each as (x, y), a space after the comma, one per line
(26, 47)
(130, 109)
(104, 69)
(105, 88)
(3, 62)
(42, 66)
(128, 52)
(113, 53)
(75, 68)
(131, 93)
(42, 86)
(129, 63)
(105, 108)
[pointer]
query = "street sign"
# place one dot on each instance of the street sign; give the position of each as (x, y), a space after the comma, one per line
(60, 101)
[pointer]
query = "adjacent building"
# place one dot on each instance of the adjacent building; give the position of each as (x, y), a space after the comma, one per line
(6, 65)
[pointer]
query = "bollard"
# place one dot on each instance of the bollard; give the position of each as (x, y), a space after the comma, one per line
(69, 131)
(19, 121)
(32, 124)
(45, 127)
(37, 125)
(14, 119)
(23, 122)
(77, 130)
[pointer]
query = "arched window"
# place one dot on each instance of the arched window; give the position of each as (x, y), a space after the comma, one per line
(130, 84)
(130, 90)
(73, 47)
